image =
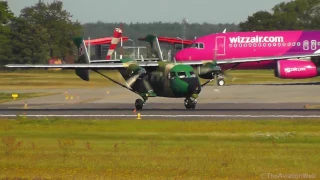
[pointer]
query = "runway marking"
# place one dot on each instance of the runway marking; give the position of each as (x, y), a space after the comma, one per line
(168, 116)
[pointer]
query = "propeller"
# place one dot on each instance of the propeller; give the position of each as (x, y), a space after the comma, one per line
(135, 76)
(131, 80)
(216, 89)
(147, 85)
(215, 74)
(141, 78)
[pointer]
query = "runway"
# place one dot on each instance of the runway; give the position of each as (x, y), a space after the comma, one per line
(177, 111)
(232, 102)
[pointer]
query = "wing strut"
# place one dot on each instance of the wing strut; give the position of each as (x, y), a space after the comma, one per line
(113, 80)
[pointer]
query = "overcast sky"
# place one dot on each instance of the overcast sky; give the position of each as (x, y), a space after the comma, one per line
(211, 11)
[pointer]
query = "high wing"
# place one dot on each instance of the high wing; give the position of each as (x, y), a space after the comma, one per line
(120, 60)
(255, 59)
(100, 66)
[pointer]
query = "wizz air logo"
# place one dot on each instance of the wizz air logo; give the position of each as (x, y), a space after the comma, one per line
(257, 39)
(288, 70)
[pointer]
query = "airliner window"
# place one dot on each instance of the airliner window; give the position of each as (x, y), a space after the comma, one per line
(192, 74)
(182, 74)
(201, 45)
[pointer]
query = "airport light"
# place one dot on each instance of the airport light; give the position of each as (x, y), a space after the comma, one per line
(134, 50)
(132, 41)
(181, 42)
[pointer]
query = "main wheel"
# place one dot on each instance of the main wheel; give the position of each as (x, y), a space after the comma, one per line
(139, 104)
(221, 82)
(190, 104)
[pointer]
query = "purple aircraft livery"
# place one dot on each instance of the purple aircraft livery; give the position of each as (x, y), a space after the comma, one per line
(292, 54)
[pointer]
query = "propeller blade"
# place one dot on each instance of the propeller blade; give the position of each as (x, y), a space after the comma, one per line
(147, 85)
(205, 70)
(130, 81)
(216, 83)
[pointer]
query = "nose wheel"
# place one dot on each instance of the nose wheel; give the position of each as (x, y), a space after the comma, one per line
(190, 103)
(220, 82)
(139, 104)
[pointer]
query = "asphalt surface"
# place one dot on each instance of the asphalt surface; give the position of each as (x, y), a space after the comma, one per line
(237, 101)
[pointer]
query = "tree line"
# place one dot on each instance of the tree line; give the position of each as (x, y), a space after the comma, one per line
(40, 32)
(293, 15)
(45, 30)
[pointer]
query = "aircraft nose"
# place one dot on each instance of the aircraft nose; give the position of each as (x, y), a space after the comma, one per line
(194, 88)
(180, 55)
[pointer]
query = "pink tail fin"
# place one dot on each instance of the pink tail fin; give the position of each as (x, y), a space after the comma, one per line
(117, 33)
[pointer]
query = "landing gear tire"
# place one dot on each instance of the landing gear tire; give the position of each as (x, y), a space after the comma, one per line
(220, 82)
(139, 104)
(190, 104)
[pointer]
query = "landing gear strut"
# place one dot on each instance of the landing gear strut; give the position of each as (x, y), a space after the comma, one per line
(190, 103)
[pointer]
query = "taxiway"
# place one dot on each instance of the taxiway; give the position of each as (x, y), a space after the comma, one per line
(236, 101)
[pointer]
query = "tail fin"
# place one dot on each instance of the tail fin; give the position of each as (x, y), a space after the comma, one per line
(117, 33)
(155, 46)
(83, 58)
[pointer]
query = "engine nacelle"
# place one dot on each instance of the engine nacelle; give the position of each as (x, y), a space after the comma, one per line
(135, 69)
(296, 69)
(208, 70)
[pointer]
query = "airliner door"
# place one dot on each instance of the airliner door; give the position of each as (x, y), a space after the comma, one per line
(221, 45)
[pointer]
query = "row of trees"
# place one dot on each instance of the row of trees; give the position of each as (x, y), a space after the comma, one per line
(45, 30)
(40, 32)
(293, 15)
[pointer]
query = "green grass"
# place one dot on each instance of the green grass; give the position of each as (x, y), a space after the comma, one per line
(260, 77)
(42, 79)
(154, 149)
(6, 97)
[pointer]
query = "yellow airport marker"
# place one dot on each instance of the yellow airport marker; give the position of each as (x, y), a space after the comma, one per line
(67, 97)
(14, 96)
(71, 97)
(138, 116)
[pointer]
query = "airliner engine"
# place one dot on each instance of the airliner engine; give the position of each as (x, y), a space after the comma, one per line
(296, 69)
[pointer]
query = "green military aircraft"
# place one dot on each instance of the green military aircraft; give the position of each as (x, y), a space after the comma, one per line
(146, 78)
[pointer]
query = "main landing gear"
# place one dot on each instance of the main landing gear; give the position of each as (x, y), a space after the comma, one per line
(220, 80)
(139, 104)
(190, 103)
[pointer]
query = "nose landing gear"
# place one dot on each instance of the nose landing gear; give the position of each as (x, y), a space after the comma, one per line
(190, 103)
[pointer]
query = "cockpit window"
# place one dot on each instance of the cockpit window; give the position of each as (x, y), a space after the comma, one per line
(195, 45)
(182, 74)
(172, 75)
(198, 45)
(192, 74)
